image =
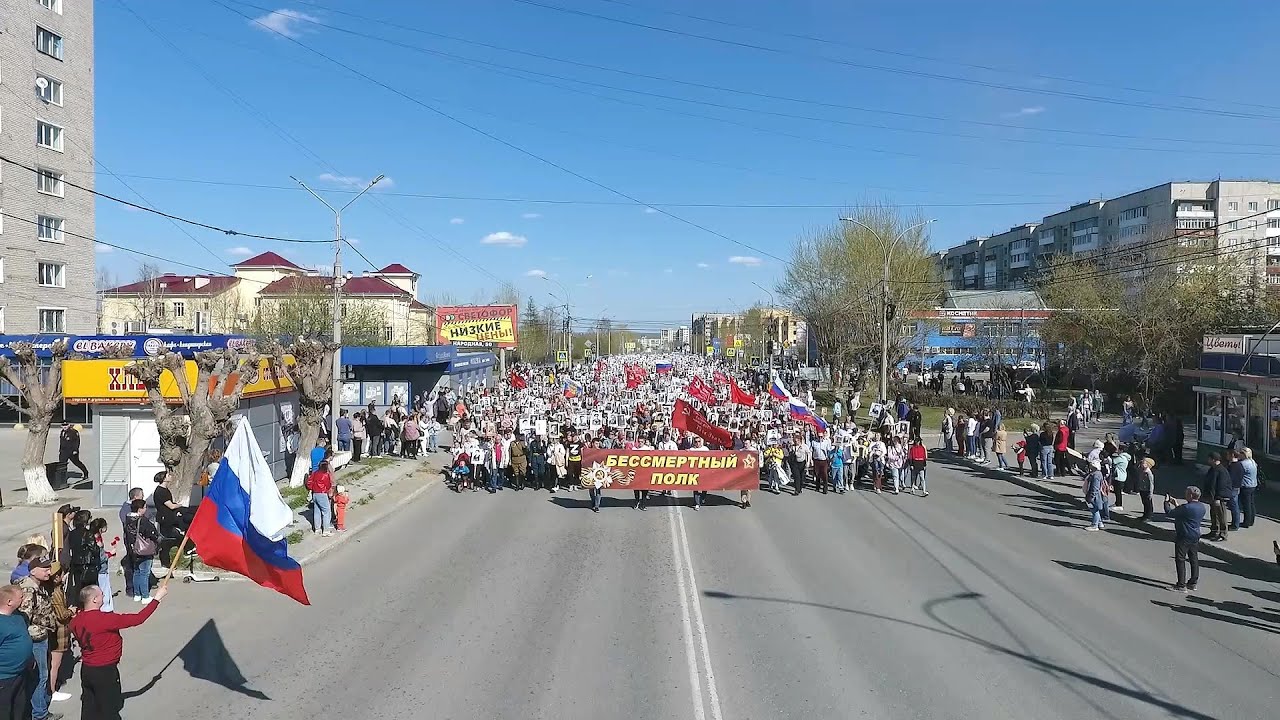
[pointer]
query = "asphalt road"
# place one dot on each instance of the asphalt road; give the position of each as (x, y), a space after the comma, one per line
(983, 600)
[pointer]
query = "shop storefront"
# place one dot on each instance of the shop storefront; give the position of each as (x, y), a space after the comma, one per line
(128, 442)
(1237, 386)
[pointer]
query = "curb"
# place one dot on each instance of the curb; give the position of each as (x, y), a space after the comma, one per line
(1219, 551)
(376, 517)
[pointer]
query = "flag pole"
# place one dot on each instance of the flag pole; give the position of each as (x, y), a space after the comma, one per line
(177, 558)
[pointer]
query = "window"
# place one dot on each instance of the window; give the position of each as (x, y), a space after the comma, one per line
(388, 334)
(1273, 205)
(48, 135)
(1273, 223)
(1194, 223)
(49, 43)
(51, 274)
(179, 309)
(52, 320)
(159, 310)
(48, 89)
(1253, 206)
(50, 229)
(1132, 230)
(49, 182)
(54, 5)
(1233, 206)
(1131, 213)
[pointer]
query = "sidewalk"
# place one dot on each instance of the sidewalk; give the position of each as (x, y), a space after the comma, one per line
(1252, 546)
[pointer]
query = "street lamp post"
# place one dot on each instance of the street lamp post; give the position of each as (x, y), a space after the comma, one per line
(887, 249)
(335, 392)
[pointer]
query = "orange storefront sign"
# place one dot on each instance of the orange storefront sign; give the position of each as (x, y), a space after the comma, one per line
(110, 381)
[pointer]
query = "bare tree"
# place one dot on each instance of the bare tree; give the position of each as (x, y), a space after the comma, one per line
(203, 412)
(312, 375)
(307, 312)
(40, 389)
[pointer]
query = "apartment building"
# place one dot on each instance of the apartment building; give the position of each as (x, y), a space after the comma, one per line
(229, 303)
(1240, 217)
(718, 330)
(47, 267)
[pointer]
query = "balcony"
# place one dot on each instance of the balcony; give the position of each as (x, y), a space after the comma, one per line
(1194, 213)
(1046, 240)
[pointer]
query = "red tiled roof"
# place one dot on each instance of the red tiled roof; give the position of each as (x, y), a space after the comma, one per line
(267, 259)
(359, 285)
(415, 305)
(178, 285)
(396, 269)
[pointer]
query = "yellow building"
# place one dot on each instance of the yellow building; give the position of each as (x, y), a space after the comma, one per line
(201, 304)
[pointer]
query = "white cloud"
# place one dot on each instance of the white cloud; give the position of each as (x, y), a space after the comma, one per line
(289, 23)
(747, 260)
(504, 238)
(667, 270)
(703, 265)
(240, 250)
(1026, 111)
(456, 221)
(536, 273)
(353, 241)
(100, 248)
(531, 216)
(353, 182)
(649, 211)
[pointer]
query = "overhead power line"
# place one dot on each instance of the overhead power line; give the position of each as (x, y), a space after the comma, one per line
(161, 213)
(770, 96)
(901, 71)
(502, 141)
(927, 58)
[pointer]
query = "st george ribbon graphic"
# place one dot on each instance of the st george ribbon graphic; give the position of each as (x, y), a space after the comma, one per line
(619, 469)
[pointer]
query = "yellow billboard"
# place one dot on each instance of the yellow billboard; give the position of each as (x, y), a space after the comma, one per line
(110, 381)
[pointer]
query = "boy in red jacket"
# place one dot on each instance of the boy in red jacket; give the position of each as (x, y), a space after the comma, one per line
(917, 458)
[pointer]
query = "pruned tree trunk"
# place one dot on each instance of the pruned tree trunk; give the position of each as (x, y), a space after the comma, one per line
(42, 394)
(203, 412)
(312, 375)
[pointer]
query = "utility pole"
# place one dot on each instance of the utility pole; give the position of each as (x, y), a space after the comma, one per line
(335, 392)
(887, 248)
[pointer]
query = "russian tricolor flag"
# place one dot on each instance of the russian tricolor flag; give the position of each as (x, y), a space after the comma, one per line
(801, 412)
(572, 389)
(663, 367)
(778, 390)
(241, 523)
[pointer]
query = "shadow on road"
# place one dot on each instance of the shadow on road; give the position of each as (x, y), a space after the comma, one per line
(948, 630)
(205, 657)
(582, 501)
(1223, 617)
(1051, 522)
(1268, 595)
(1108, 572)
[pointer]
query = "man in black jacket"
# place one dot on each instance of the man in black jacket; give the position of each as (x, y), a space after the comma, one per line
(373, 428)
(1217, 490)
(69, 448)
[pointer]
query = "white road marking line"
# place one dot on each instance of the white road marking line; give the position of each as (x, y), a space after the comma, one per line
(701, 626)
(695, 680)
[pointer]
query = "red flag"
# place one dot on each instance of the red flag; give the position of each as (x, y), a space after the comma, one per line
(737, 396)
(721, 378)
(517, 382)
(685, 417)
(635, 376)
(699, 389)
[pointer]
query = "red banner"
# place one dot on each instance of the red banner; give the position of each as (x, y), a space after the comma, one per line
(517, 382)
(738, 397)
(699, 389)
(619, 469)
(685, 417)
(720, 378)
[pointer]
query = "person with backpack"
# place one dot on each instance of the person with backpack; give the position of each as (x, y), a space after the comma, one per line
(82, 553)
(1096, 489)
(142, 542)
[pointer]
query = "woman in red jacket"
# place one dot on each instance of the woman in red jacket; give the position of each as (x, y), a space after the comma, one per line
(918, 457)
(1060, 441)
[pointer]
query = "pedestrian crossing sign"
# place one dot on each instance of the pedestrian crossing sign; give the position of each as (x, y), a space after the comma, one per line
(562, 356)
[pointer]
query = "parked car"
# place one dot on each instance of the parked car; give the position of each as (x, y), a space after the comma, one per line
(949, 366)
(914, 366)
(1031, 365)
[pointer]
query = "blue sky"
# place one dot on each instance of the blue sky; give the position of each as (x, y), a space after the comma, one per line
(159, 116)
